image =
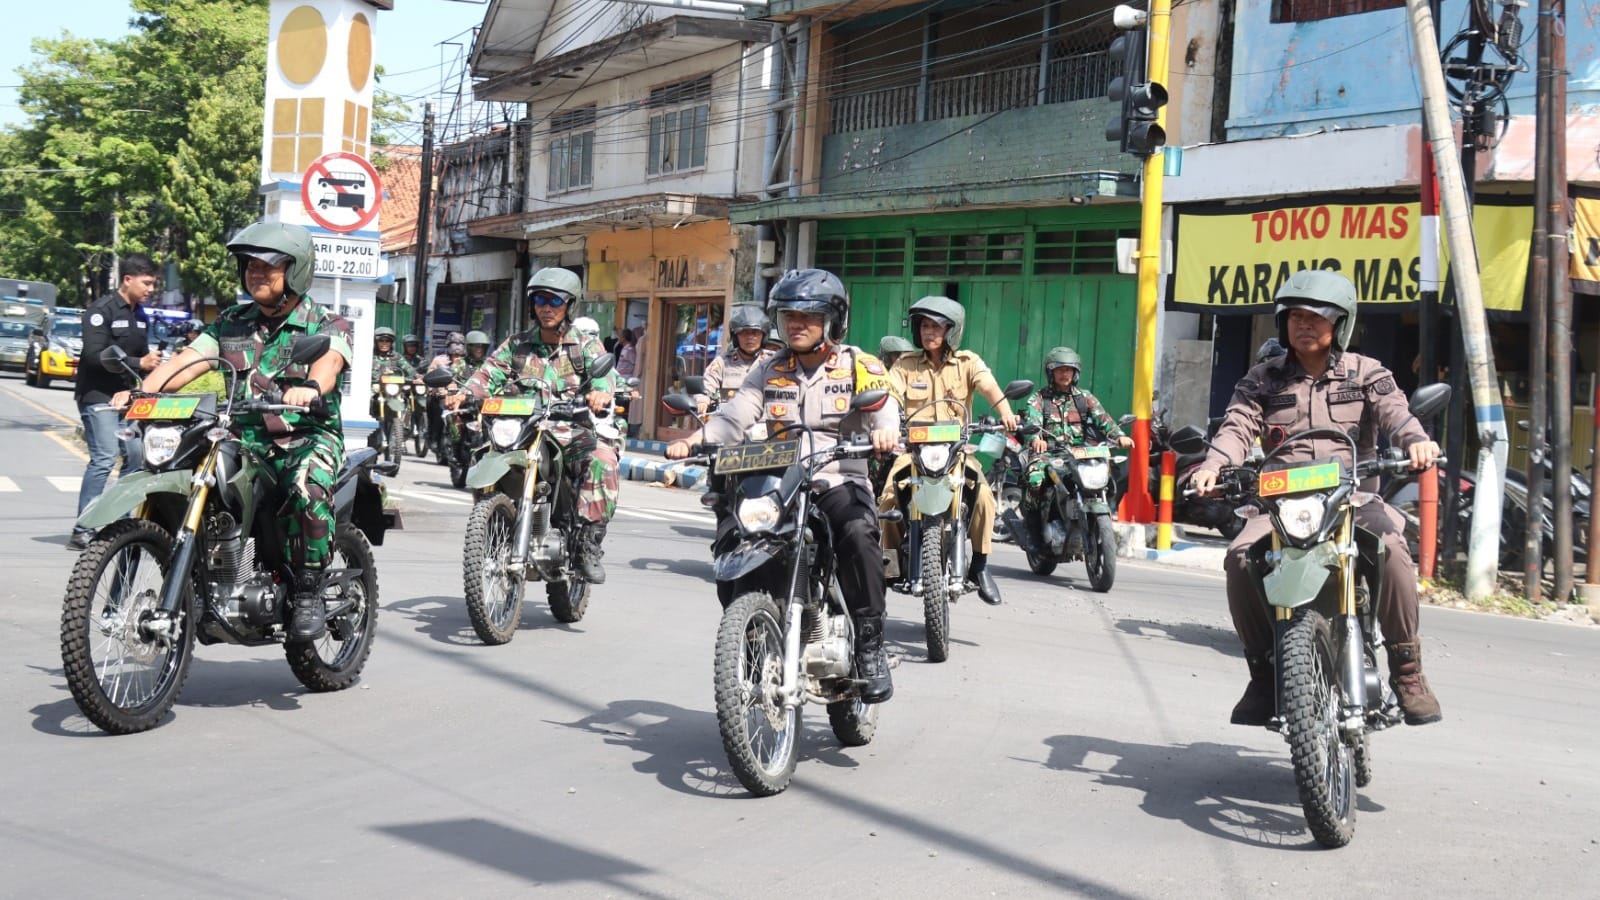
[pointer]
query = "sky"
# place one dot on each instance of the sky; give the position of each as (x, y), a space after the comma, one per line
(410, 43)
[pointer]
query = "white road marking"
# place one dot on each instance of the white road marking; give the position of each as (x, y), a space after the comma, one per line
(639, 514)
(685, 516)
(7, 485)
(66, 484)
(431, 497)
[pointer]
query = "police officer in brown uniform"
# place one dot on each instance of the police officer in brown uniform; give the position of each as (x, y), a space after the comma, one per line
(1319, 384)
(810, 383)
(748, 328)
(940, 370)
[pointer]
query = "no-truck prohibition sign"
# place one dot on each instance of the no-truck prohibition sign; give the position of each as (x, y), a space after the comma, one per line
(341, 192)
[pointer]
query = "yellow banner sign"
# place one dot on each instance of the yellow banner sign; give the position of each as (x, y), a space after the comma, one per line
(1232, 259)
(1586, 244)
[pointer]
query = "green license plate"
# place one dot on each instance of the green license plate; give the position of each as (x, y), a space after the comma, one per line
(1314, 477)
(163, 407)
(751, 457)
(937, 433)
(1098, 452)
(509, 406)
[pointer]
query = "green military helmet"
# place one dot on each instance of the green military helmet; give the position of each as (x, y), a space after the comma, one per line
(942, 310)
(410, 339)
(894, 343)
(559, 281)
(1058, 357)
(477, 337)
(1324, 292)
(276, 243)
(381, 332)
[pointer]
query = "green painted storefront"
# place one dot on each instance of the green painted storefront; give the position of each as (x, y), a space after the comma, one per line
(1030, 279)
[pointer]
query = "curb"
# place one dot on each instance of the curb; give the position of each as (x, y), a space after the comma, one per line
(660, 471)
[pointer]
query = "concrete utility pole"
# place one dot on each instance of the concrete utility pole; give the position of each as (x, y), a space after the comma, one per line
(1538, 308)
(419, 280)
(1553, 31)
(1483, 551)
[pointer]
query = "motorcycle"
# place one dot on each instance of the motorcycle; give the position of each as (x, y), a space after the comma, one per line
(524, 524)
(935, 550)
(787, 637)
(1321, 574)
(1007, 476)
(389, 400)
(1077, 522)
(463, 441)
(201, 556)
(1206, 512)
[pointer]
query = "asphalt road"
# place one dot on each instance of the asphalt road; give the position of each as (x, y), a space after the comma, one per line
(1074, 744)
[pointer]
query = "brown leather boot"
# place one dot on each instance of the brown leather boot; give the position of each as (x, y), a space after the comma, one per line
(1260, 700)
(1405, 676)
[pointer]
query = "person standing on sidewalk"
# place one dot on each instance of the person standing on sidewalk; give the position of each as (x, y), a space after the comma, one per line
(117, 319)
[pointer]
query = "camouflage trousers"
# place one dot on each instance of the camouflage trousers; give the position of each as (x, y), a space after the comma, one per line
(305, 473)
(596, 471)
(1038, 484)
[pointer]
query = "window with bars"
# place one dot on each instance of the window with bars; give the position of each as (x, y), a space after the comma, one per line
(679, 123)
(863, 257)
(1314, 10)
(572, 149)
(1078, 252)
(968, 254)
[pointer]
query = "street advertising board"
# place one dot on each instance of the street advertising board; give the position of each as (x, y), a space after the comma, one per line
(341, 192)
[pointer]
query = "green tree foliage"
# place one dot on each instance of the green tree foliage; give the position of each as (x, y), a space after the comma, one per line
(161, 126)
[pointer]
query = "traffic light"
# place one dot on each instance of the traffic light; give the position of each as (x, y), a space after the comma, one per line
(1140, 100)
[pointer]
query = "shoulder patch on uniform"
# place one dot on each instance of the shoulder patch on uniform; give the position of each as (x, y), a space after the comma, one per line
(869, 374)
(97, 319)
(870, 363)
(1384, 385)
(1281, 401)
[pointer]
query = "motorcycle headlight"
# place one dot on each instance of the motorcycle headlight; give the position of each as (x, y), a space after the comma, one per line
(934, 457)
(503, 433)
(392, 390)
(161, 444)
(1093, 475)
(1302, 516)
(758, 514)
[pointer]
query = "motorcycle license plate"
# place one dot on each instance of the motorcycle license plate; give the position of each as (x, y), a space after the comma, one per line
(391, 379)
(509, 406)
(163, 407)
(1101, 452)
(1316, 476)
(750, 457)
(937, 433)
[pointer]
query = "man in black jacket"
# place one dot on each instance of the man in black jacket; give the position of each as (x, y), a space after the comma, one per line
(117, 319)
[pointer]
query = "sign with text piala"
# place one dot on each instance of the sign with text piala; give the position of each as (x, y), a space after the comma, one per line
(1233, 259)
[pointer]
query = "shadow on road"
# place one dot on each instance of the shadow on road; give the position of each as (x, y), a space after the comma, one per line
(1222, 640)
(699, 533)
(1224, 790)
(57, 540)
(261, 683)
(689, 568)
(444, 619)
(521, 854)
(907, 639)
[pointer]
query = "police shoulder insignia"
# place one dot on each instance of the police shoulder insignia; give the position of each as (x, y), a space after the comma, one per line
(870, 375)
(97, 319)
(871, 363)
(1384, 385)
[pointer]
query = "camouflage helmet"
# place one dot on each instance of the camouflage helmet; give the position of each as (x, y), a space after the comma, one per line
(894, 343)
(1324, 292)
(559, 281)
(746, 317)
(940, 309)
(276, 243)
(1062, 356)
(381, 332)
(477, 337)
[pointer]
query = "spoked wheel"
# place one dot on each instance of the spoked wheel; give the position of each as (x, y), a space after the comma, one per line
(1324, 765)
(397, 440)
(759, 733)
(124, 659)
(334, 661)
(935, 596)
(1100, 554)
(569, 599)
(493, 591)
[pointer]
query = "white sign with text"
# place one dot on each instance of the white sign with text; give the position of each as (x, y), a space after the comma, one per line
(342, 257)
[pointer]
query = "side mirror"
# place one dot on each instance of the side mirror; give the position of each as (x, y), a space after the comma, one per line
(869, 401)
(632, 382)
(694, 384)
(439, 378)
(1428, 401)
(1188, 439)
(1126, 421)
(309, 348)
(680, 404)
(115, 358)
(1018, 389)
(602, 366)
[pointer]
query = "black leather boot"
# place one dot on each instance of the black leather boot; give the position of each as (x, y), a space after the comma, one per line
(589, 552)
(872, 663)
(309, 621)
(1260, 700)
(978, 573)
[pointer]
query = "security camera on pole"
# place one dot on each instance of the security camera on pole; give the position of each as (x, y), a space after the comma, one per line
(1140, 129)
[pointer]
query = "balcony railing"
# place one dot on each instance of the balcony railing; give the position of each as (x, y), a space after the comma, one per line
(1081, 76)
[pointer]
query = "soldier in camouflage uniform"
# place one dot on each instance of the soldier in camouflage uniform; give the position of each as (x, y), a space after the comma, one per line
(303, 451)
(556, 356)
(1066, 414)
(411, 352)
(385, 361)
